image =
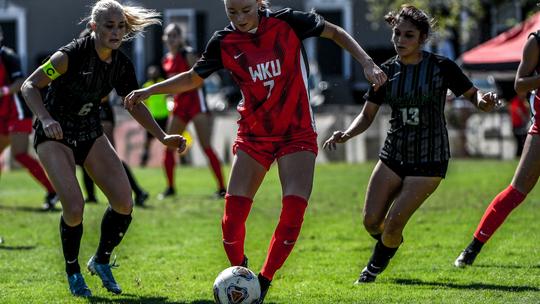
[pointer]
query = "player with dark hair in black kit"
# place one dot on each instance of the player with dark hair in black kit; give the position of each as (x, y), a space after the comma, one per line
(415, 155)
(69, 132)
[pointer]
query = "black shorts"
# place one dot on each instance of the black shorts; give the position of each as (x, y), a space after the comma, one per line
(80, 148)
(431, 169)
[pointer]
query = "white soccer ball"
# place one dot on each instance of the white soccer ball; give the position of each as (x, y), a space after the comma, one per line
(237, 285)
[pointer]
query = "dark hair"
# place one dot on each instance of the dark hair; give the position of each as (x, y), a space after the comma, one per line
(414, 15)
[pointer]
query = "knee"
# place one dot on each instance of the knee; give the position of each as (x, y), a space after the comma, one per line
(393, 230)
(372, 224)
(72, 215)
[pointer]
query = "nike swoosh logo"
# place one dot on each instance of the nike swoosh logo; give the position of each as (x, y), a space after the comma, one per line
(394, 77)
(484, 234)
(86, 73)
(374, 267)
(288, 243)
(71, 262)
(238, 56)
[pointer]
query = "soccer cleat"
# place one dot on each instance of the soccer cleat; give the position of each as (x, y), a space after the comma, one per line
(244, 262)
(105, 274)
(366, 276)
(466, 258)
(77, 286)
(220, 194)
(140, 198)
(91, 200)
(265, 285)
(50, 201)
(169, 192)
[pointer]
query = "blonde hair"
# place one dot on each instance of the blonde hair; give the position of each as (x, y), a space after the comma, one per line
(137, 17)
(265, 4)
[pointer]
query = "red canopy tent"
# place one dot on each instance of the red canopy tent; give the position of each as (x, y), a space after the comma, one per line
(503, 52)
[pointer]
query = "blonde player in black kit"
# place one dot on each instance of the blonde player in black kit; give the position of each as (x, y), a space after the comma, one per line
(415, 155)
(68, 131)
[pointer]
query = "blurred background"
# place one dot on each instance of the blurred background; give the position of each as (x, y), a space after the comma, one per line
(484, 37)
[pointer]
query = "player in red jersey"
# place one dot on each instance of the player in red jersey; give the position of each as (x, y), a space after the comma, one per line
(263, 51)
(528, 170)
(188, 106)
(16, 121)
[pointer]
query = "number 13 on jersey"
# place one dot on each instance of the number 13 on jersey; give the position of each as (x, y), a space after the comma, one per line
(410, 116)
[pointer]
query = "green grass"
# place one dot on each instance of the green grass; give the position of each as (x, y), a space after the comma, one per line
(173, 250)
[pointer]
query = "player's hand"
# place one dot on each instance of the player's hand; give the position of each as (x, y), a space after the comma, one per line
(175, 141)
(135, 97)
(489, 102)
(338, 137)
(375, 76)
(52, 128)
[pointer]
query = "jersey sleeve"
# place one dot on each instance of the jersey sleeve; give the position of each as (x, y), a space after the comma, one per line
(376, 96)
(304, 24)
(457, 81)
(73, 51)
(127, 79)
(13, 64)
(210, 60)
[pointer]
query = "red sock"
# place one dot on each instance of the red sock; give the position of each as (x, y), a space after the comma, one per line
(35, 170)
(286, 234)
(169, 163)
(497, 211)
(233, 225)
(215, 164)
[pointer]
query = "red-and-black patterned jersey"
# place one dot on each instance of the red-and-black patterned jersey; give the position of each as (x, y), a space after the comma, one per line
(271, 69)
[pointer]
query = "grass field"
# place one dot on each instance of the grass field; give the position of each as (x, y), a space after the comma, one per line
(173, 251)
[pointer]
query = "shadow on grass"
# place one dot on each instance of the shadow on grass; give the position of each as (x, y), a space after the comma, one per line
(130, 298)
(28, 209)
(4, 247)
(473, 286)
(505, 266)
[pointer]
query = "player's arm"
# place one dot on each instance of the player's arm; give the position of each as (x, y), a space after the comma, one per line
(372, 72)
(358, 126)
(41, 77)
(483, 101)
(141, 114)
(526, 79)
(177, 84)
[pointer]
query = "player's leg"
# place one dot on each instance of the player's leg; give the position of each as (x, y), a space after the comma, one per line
(175, 125)
(383, 186)
(19, 149)
(247, 175)
(414, 191)
(203, 124)
(4, 143)
(524, 180)
(59, 163)
(106, 169)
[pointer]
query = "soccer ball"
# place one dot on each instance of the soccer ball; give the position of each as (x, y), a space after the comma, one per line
(237, 285)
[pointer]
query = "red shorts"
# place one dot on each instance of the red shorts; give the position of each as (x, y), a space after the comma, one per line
(10, 122)
(265, 152)
(189, 104)
(535, 107)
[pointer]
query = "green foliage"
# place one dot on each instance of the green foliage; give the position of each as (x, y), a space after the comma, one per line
(173, 251)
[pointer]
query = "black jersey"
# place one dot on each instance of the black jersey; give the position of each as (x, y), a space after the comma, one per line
(417, 95)
(74, 98)
(12, 64)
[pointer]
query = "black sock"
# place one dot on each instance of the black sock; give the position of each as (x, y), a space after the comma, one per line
(380, 257)
(113, 227)
(134, 186)
(376, 236)
(89, 185)
(71, 242)
(475, 245)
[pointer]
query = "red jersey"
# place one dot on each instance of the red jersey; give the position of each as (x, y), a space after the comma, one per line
(177, 64)
(271, 69)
